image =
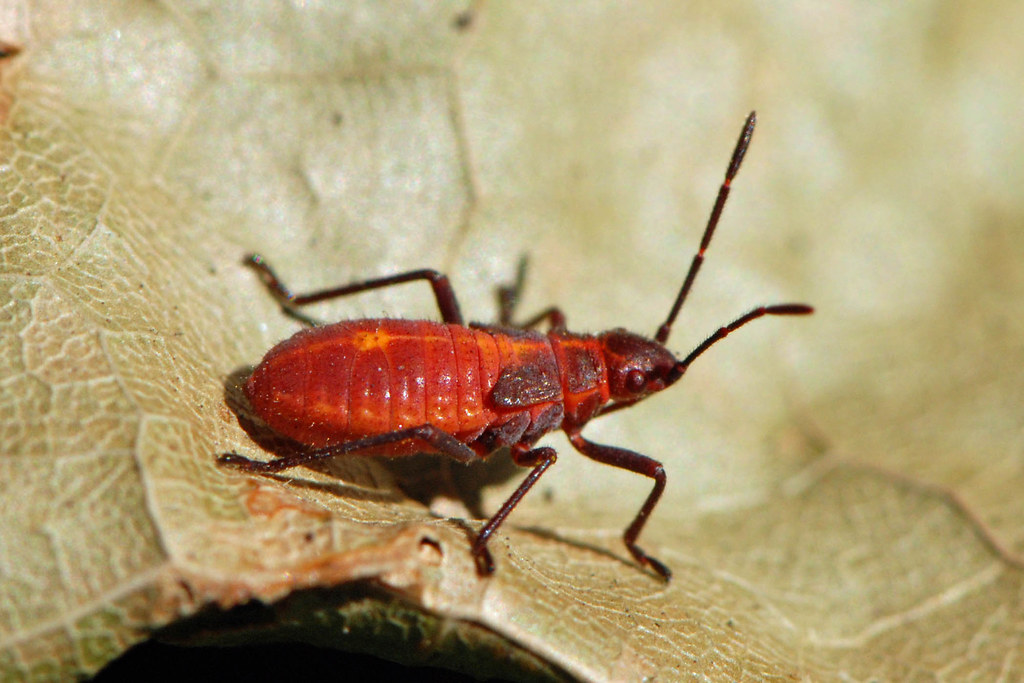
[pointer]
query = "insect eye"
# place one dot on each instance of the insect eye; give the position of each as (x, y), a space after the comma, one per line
(635, 381)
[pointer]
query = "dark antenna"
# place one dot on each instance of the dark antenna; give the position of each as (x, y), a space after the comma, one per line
(723, 193)
(722, 332)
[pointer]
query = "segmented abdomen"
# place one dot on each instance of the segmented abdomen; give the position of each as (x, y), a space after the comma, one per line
(339, 382)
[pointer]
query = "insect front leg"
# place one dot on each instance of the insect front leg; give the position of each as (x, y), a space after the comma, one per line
(508, 300)
(539, 459)
(443, 292)
(641, 464)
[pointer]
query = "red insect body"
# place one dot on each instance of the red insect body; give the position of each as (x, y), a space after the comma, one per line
(396, 387)
(349, 380)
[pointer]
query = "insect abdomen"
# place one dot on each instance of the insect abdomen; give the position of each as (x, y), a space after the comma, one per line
(338, 382)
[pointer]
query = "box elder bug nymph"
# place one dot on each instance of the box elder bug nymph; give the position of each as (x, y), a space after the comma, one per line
(396, 387)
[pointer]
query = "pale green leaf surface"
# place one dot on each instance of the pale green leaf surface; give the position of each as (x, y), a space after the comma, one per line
(843, 495)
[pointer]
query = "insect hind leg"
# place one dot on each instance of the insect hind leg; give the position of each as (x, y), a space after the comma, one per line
(439, 440)
(540, 459)
(447, 303)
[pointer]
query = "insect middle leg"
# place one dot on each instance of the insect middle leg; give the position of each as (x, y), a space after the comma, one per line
(443, 292)
(641, 464)
(539, 459)
(508, 300)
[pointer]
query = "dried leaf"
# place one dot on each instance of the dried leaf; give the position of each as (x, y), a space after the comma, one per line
(843, 494)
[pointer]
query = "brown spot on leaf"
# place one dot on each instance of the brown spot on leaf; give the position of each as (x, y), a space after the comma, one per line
(267, 501)
(8, 52)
